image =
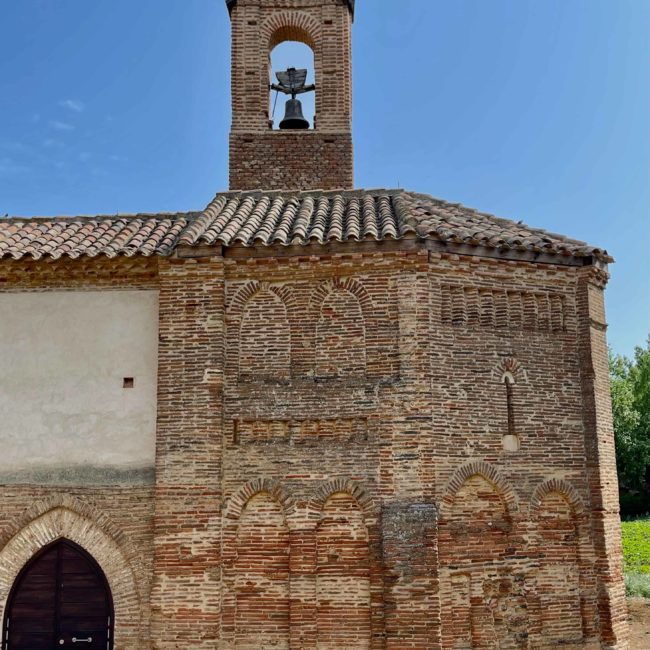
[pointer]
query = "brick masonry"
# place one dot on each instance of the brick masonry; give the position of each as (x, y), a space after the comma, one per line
(331, 491)
(291, 160)
(261, 157)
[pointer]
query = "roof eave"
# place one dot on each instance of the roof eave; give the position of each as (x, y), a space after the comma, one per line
(409, 243)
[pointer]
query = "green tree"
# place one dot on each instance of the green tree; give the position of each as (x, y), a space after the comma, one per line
(631, 406)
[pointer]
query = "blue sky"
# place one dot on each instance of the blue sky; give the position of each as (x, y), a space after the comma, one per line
(530, 109)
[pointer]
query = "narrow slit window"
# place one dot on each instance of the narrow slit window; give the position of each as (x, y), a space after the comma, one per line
(511, 440)
(510, 405)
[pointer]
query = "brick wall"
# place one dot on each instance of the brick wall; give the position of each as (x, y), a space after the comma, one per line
(186, 593)
(332, 491)
(601, 456)
(291, 160)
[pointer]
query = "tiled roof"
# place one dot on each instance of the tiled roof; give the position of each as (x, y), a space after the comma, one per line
(282, 218)
(155, 234)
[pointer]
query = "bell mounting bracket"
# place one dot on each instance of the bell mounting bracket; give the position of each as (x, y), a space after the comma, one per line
(292, 82)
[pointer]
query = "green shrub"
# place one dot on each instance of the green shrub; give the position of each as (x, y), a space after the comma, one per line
(635, 504)
(637, 585)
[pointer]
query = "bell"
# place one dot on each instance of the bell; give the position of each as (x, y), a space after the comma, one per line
(293, 117)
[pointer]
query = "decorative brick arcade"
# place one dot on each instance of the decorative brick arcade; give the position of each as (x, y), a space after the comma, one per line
(383, 420)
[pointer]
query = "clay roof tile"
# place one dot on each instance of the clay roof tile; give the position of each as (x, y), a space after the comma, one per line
(285, 218)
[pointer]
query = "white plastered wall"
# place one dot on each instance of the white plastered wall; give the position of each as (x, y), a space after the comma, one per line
(65, 415)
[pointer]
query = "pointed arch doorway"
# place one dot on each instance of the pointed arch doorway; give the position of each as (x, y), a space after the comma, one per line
(61, 599)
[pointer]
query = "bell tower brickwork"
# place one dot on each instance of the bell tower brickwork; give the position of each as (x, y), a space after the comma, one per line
(318, 158)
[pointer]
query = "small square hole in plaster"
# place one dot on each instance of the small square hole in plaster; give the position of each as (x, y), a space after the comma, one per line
(129, 382)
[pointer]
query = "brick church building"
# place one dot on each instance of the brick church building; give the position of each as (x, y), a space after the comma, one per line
(308, 416)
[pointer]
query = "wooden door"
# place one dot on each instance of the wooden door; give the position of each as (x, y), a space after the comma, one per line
(61, 599)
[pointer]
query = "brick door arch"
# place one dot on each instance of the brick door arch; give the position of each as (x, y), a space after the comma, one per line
(97, 539)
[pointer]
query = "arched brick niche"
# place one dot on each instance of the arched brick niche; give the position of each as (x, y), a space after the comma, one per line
(342, 576)
(339, 310)
(302, 573)
(264, 338)
(565, 584)
(259, 318)
(483, 591)
(256, 564)
(262, 575)
(45, 523)
(349, 606)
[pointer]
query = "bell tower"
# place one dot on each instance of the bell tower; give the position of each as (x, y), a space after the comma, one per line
(293, 157)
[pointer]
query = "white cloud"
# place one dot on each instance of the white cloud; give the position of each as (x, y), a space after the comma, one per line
(15, 147)
(73, 105)
(51, 142)
(61, 126)
(9, 167)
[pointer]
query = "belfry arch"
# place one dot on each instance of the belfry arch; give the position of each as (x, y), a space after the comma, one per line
(293, 51)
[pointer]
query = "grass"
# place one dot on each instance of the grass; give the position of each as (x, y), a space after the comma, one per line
(636, 557)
